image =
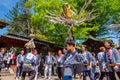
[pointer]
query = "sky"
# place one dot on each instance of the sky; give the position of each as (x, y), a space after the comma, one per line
(5, 6)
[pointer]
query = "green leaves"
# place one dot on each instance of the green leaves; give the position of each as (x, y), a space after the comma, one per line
(52, 27)
(57, 33)
(83, 32)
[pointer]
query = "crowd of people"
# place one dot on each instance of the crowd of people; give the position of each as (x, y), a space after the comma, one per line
(6, 59)
(67, 63)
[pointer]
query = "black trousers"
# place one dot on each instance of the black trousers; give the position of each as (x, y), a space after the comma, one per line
(74, 70)
(60, 72)
(31, 74)
(96, 76)
(103, 74)
(118, 74)
(0, 69)
(112, 75)
(41, 70)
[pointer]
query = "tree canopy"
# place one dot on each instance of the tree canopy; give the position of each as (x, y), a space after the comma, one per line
(107, 12)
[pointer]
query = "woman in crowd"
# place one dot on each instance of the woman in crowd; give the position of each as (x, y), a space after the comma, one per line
(95, 67)
(60, 64)
(10, 56)
(87, 63)
(19, 63)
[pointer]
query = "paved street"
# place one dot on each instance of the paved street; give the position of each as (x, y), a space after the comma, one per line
(5, 75)
(12, 77)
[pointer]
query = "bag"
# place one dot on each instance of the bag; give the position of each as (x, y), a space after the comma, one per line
(14, 57)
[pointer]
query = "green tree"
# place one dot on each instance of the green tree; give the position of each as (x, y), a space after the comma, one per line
(19, 18)
(108, 12)
(56, 33)
(106, 9)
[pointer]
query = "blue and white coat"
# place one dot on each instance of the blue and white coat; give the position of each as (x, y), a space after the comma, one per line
(114, 57)
(70, 60)
(37, 59)
(49, 60)
(100, 59)
(95, 68)
(87, 60)
(1, 60)
(29, 59)
(60, 61)
(20, 59)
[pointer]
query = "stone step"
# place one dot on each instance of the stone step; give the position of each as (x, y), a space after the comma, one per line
(7, 73)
